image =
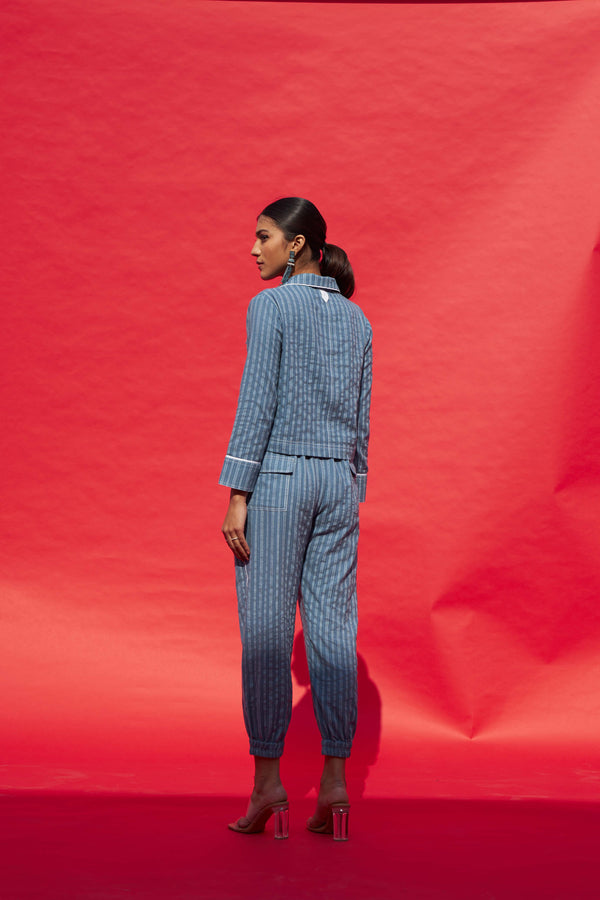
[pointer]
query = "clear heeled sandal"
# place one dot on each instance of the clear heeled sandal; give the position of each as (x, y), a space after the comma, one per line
(281, 814)
(335, 822)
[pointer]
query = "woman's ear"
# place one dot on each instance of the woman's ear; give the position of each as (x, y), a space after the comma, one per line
(298, 243)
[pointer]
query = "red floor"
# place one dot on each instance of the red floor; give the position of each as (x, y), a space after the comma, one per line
(105, 847)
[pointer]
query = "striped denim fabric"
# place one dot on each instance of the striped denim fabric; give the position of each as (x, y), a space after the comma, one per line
(306, 386)
(302, 530)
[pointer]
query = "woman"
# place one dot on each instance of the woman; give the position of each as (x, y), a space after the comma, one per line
(297, 465)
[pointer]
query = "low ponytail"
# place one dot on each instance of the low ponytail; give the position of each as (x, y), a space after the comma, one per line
(335, 264)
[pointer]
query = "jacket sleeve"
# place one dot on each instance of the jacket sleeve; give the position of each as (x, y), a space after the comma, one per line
(257, 401)
(364, 406)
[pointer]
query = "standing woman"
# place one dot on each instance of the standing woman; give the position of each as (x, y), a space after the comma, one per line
(297, 468)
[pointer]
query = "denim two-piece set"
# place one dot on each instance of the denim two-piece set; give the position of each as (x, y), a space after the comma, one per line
(299, 444)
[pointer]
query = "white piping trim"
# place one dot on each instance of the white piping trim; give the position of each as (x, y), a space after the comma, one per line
(239, 459)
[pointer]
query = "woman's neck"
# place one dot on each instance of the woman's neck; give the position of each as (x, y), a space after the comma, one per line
(311, 268)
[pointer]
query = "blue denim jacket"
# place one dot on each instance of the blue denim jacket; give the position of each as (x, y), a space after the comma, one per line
(306, 387)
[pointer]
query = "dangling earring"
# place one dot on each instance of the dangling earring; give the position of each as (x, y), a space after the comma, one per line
(291, 265)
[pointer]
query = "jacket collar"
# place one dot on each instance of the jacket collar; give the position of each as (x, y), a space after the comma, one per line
(319, 281)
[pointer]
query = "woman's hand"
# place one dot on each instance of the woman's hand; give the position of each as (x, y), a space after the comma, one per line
(234, 524)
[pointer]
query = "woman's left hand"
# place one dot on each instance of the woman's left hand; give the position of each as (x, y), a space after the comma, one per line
(234, 525)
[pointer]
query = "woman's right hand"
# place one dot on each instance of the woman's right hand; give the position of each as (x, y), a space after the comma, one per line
(234, 525)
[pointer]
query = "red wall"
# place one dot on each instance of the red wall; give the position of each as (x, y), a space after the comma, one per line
(454, 152)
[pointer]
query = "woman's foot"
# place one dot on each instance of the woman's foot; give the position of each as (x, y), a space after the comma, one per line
(259, 803)
(268, 792)
(332, 790)
(328, 796)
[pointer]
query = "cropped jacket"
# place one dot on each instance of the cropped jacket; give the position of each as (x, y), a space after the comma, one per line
(306, 385)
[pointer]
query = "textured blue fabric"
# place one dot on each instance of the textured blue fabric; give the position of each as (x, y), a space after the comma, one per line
(302, 529)
(306, 386)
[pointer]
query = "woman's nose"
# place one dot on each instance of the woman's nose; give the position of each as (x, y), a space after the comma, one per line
(255, 249)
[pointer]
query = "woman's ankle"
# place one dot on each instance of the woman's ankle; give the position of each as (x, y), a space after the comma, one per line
(267, 780)
(334, 771)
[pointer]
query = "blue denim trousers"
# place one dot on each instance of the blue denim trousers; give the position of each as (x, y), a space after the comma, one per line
(302, 529)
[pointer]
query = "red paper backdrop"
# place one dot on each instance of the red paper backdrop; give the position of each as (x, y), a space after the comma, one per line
(454, 152)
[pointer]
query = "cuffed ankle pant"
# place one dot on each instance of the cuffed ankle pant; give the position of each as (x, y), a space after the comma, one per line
(302, 529)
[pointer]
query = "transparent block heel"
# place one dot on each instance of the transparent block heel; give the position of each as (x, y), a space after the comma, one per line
(281, 815)
(339, 812)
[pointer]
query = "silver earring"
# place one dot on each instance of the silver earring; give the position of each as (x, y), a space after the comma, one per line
(291, 265)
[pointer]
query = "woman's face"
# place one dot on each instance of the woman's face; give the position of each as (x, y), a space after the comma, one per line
(270, 248)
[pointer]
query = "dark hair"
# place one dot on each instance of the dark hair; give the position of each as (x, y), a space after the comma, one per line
(294, 215)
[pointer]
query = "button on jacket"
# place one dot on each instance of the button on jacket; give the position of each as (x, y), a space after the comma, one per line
(306, 386)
